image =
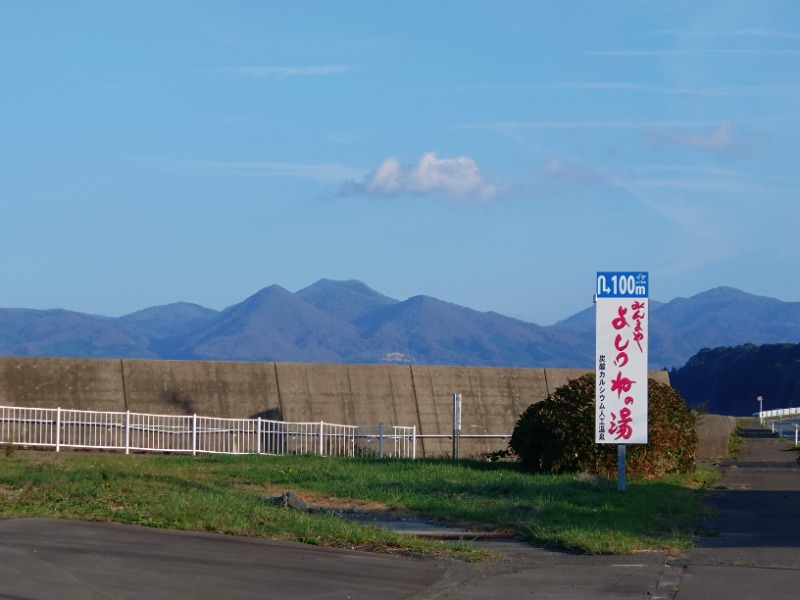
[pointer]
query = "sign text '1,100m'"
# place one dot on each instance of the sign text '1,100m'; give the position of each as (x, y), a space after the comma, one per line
(622, 285)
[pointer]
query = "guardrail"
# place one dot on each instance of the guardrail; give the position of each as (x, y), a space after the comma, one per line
(140, 432)
(779, 413)
(780, 417)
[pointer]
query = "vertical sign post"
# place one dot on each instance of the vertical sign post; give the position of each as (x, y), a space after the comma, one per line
(456, 424)
(622, 336)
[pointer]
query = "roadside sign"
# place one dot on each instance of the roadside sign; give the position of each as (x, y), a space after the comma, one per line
(621, 357)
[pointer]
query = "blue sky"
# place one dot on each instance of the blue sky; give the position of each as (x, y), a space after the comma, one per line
(488, 153)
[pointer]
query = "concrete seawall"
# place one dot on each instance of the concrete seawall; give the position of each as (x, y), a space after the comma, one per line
(493, 398)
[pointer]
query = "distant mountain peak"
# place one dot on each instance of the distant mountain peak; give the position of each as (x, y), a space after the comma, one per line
(346, 300)
(268, 293)
(731, 294)
(327, 285)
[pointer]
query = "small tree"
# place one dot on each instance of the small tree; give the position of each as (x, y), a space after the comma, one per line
(557, 434)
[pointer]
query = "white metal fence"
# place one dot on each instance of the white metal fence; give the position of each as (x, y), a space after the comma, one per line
(783, 421)
(138, 432)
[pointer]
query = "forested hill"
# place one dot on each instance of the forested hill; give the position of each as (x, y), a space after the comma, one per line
(727, 380)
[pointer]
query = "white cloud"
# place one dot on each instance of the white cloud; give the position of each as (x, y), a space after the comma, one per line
(458, 177)
(282, 72)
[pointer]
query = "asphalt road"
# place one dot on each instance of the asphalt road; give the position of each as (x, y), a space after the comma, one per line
(48, 559)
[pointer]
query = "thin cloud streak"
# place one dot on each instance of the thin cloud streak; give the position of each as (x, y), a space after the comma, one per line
(736, 52)
(720, 139)
(622, 86)
(510, 125)
(713, 186)
(759, 91)
(719, 172)
(325, 172)
(764, 33)
(283, 72)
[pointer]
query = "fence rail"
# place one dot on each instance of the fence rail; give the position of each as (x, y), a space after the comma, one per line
(139, 432)
(780, 413)
(781, 419)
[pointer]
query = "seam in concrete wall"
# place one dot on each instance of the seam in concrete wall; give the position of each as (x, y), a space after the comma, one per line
(349, 409)
(416, 404)
(124, 388)
(278, 390)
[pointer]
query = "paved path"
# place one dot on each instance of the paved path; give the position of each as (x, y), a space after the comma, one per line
(754, 553)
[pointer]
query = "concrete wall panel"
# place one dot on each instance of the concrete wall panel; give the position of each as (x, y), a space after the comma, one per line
(434, 388)
(557, 378)
(660, 376)
(714, 435)
(213, 389)
(382, 394)
(81, 384)
(494, 402)
(318, 392)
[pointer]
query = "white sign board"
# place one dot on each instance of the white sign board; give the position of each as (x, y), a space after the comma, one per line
(621, 358)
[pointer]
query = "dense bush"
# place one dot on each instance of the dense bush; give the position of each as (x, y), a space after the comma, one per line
(557, 434)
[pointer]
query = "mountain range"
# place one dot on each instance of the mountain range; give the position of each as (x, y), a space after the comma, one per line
(348, 322)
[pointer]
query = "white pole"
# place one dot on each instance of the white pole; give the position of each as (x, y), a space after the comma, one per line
(194, 435)
(321, 443)
(127, 432)
(58, 429)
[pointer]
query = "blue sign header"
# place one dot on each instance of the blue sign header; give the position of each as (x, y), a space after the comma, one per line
(623, 284)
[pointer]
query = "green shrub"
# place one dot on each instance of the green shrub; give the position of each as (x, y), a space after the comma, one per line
(557, 434)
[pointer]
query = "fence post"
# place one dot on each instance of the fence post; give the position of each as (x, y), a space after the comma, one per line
(127, 432)
(380, 440)
(321, 444)
(58, 429)
(414, 442)
(194, 435)
(258, 436)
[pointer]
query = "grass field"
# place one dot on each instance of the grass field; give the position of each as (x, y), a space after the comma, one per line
(231, 494)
